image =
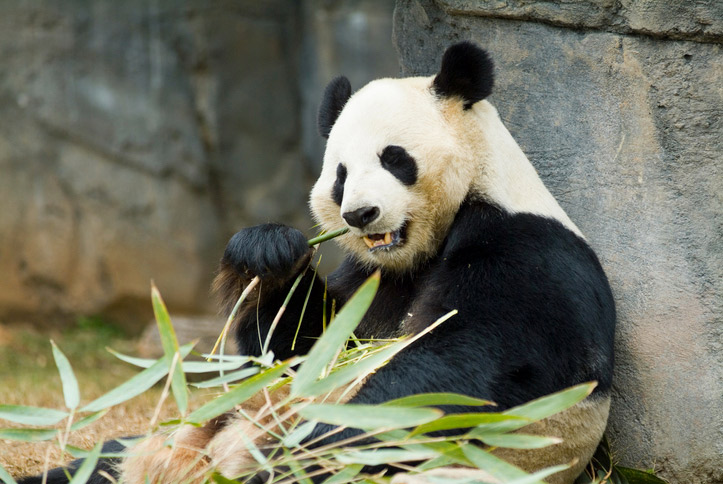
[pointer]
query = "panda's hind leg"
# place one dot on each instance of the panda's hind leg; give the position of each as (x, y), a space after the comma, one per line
(179, 458)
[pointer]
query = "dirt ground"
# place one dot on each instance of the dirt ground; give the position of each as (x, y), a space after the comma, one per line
(28, 377)
(131, 418)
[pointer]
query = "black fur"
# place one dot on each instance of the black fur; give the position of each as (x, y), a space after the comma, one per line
(251, 332)
(536, 313)
(467, 72)
(268, 250)
(337, 191)
(361, 217)
(399, 163)
(277, 253)
(336, 94)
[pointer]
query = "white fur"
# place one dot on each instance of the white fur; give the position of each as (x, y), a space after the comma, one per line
(580, 427)
(458, 153)
(505, 175)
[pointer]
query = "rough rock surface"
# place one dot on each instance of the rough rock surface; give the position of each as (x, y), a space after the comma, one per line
(627, 132)
(137, 136)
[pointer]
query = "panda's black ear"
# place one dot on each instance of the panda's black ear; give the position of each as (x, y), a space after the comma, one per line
(336, 94)
(467, 72)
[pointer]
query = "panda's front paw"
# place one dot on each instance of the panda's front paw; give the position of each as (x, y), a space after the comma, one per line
(268, 251)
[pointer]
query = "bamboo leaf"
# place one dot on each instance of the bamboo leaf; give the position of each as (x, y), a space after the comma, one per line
(79, 453)
(635, 476)
(439, 461)
(212, 366)
(297, 469)
(133, 360)
(238, 394)
(518, 441)
(345, 475)
(385, 456)
(220, 479)
(538, 476)
(324, 350)
(228, 378)
(429, 399)
(170, 348)
(544, 407)
(31, 415)
(494, 465)
(6, 477)
(85, 470)
(67, 378)
(165, 327)
(179, 387)
(449, 449)
(351, 372)
(188, 366)
(252, 449)
(28, 435)
(299, 434)
(87, 420)
(468, 420)
(225, 357)
(136, 385)
(537, 410)
(369, 416)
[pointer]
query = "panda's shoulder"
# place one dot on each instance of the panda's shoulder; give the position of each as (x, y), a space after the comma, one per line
(483, 231)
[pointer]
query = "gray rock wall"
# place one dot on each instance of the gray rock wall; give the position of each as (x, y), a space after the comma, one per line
(137, 136)
(619, 105)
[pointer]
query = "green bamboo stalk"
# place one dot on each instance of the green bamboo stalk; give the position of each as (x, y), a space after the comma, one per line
(327, 236)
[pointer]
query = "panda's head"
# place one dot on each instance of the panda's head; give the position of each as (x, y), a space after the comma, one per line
(400, 158)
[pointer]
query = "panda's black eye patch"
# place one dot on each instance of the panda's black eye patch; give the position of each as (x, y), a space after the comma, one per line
(399, 163)
(337, 191)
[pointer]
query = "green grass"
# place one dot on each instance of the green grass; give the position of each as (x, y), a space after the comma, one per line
(26, 361)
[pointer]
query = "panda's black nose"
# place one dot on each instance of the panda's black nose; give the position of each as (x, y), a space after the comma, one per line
(361, 217)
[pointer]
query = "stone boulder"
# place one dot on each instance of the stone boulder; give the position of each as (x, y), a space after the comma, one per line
(137, 136)
(619, 107)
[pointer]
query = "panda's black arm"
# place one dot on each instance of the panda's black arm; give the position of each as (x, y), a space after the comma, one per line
(276, 254)
(293, 334)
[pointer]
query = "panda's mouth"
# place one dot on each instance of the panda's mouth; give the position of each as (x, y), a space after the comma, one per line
(386, 240)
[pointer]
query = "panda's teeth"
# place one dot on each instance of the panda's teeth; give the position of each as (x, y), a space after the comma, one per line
(378, 240)
(368, 241)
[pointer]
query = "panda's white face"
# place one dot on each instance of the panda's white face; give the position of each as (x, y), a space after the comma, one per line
(393, 172)
(403, 154)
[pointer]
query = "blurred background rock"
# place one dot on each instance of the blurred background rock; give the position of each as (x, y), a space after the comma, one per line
(137, 136)
(619, 105)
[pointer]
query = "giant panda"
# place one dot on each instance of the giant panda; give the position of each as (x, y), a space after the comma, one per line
(438, 196)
